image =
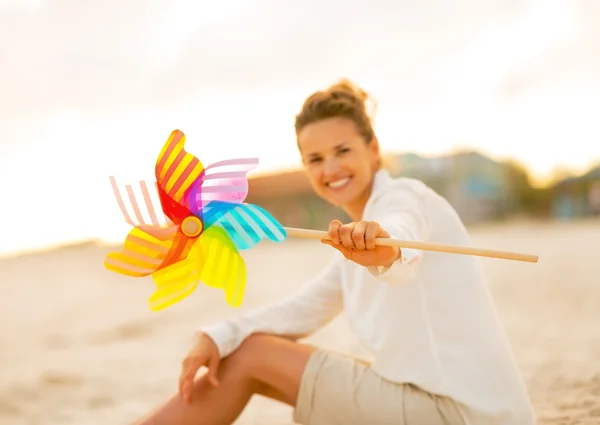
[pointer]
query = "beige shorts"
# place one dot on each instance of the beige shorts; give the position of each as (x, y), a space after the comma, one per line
(339, 390)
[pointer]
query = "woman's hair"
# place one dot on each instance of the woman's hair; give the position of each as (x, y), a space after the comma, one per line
(343, 99)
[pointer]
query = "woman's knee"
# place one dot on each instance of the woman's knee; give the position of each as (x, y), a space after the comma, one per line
(261, 356)
(271, 365)
(251, 353)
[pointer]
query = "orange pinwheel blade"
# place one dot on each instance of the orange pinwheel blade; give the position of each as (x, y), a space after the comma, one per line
(176, 169)
(142, 253)
(224, 267)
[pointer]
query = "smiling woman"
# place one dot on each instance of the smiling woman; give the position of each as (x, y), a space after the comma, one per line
(440, 354)
(338, 145)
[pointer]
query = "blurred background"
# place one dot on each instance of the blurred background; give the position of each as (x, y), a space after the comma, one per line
(493, 103)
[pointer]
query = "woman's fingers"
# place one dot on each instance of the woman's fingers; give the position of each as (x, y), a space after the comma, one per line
(204, 353)
(333, 232)
(373, 230)
(345, 235)
(358, 235)
(213, 369)
(357, 243)
(190, 367)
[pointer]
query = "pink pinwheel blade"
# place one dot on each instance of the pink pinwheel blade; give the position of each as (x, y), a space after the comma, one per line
(221, 181)
(130, 206)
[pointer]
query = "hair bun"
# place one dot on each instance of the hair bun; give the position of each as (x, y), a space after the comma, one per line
(342, 99)
(349, 89)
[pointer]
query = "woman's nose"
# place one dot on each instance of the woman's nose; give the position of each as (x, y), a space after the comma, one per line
(331, 166)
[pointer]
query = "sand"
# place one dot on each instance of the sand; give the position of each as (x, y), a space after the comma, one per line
(78, 344)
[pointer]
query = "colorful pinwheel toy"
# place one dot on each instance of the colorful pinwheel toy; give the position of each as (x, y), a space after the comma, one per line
(205, 224)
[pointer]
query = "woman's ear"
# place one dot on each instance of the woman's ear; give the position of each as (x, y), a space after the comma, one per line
(375, 152)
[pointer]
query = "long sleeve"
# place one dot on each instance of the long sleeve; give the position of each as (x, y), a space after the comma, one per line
(318, 302)
(401, 212)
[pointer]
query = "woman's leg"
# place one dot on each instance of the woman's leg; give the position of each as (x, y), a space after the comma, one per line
(263, 364)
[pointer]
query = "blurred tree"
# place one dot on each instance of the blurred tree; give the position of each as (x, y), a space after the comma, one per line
(526, 198)
(559, 174)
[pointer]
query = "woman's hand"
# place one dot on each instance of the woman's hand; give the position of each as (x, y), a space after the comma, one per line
(356, 241)
(204, 353)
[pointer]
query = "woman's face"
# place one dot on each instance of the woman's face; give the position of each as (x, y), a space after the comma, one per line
(340, 165)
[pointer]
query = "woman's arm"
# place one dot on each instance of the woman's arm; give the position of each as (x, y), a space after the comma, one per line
(401, 211)
(317, 303)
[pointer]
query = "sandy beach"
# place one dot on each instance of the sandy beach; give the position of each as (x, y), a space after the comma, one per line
(78, 344)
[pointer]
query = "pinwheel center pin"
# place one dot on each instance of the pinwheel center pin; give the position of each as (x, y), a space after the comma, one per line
(191, 226)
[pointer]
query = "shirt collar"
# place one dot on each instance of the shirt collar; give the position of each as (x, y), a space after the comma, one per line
(381, 180)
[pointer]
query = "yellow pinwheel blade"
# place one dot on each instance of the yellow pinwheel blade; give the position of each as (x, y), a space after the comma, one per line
(177, 281)
(141, 255)
(224, 267)
(214, 260)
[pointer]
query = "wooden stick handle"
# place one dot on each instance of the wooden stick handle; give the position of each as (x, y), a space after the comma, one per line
(425, 246)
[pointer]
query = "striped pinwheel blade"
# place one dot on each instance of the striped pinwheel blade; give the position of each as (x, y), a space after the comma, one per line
(177, 281)
(221, 181)
(224, 267)
(246, 224)
(176, 170)
(151, 214)
(143, 253)
(213, 260)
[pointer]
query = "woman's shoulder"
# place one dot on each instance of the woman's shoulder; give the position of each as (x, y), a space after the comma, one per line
(412, 191)
(409, 182)
(410, 185)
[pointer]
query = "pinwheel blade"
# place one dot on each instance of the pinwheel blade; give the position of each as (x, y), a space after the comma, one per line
(131, 207)
(246, 224)
(221, 181)
(142, 253)
(177, 281)
(223, 267)
(176, 170)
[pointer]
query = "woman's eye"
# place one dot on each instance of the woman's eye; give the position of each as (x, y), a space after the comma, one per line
(314, 160)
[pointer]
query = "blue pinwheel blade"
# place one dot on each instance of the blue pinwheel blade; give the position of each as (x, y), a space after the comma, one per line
(246, 224)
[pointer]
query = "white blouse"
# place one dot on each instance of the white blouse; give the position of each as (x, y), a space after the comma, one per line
(428, 320)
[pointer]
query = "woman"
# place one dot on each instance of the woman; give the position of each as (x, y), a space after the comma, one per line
(440, 354)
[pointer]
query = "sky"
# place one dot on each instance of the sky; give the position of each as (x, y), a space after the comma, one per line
(93, 89)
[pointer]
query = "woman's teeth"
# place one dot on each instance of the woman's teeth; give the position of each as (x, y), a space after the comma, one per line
(338, 183)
